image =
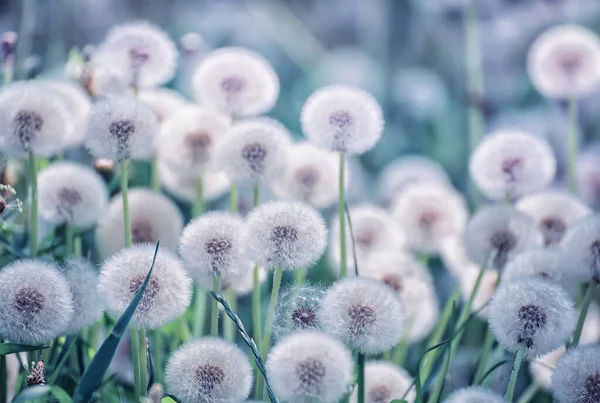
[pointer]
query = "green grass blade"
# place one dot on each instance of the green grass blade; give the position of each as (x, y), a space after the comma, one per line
(42, 393)
(12, 348)
(62, 357)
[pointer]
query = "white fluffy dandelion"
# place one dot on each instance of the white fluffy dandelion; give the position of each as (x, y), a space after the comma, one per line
(209, 370)
(88, 304)
(36, 304)
(385, 382)
(364, 313)
(236, 81)
(33, 119)
(581, 249)
(188, 139)
(78, 105)
(474, 394)
(184, 186)
(310, 366)
(297, 309)
(511, 164)
(564, 62)
(554, 212)
(429, 213)
(487, 286)
(163, 101)
(255, 149)
(540, 263)
(142, 50)
(495, 234)
(577, 376)
(287, 235)
(212, 245)
(343, 119)
(153, 217)
(167, 294)
(71, 193)
(120, 128)
(537, 314)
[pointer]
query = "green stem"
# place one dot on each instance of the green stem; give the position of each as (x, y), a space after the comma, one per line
(529, 393)
(510, 390)
(143, 363)
(255, 195)
(77, 246)
(157, 354)
(361, 377)
(3, 377)
(485, 356)
(341, 211)
(135, 358)
(198, 208)
(573, 146)
(233, 198)
(264, 345)
(214, 312)
(33, 219)
(125, 197)
(70, 239)
(26, 31)
(154, 177)
(300, 277)
(585, 304)
(256, 311)
(229, 325)
(58, 367)
(400, 352)
(199, 315)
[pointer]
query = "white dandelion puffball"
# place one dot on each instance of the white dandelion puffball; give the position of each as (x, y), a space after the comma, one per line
(188, 139)
(588, 176)
(540, 263)
(577, 376)
(287, 235)
(495, 234)
(310, 366)
(297, 309)
(564, 62)
(364, 313)
(429, 213)
(153, 217)
(108, 80)
(474, 394)
(143, 50)
(167, 295)
(413, 284)
(408, 170)
(163, 101)
(511, 164)
(554, 212)
(455, 257)
(71, 193)
(536, 313)
(33, 119)
(254, 149)
(78, 105)
(581, 249)
(374, 231)
(36, 304)
(344, 119)
(209, 370)
(310, 175)
(88, 304)
(184, 186)
(212, 245)
(385, 382)
(120, 128)
(236, 81)
(485, 292)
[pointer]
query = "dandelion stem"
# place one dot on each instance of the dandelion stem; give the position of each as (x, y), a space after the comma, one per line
(135, 357)
(485, 356)
(361, 358)
(125, 197)
(77, 246)
(341, 207)
(400, 352)
(200, 301)
(233, 198)
(3, 376)
(157, 354)
(26, 31)
(229, 326)
(33, 218)
(510, 390)
(585, 304)
(264, 346)
(300, 277)
(529, 393)
(573, 148)
(198, 208)
(214, 312)
(143, 362)
(70, 240)
(256, 313)
(154, 178)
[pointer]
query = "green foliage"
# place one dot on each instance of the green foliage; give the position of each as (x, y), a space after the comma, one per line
(12, 348)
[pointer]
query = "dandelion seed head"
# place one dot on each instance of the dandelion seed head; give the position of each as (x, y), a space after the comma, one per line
(564, 62)
(385, 382)
(310, 366)
(577, 375)
(580, 248)
(285, 234)
(297, 309)
(36, 304)
(163, 101)
(531, 312)
(209, 370)
(168, 292)
(364, 313)
(510, 163)
(474, 394)
(588, 175)
(153, 217)
(344, 119)
(88, 304)
(182, 185)
(236, 81)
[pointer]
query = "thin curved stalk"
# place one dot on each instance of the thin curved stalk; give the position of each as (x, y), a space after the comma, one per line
(341, 210)
(214, 318)
(33, 218)
(573, 146)
(585, 304)
(510, 390)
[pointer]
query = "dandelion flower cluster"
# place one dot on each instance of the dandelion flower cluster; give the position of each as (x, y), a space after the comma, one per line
(540, 263)
(385, 382)
(577, 376)
(581, 249)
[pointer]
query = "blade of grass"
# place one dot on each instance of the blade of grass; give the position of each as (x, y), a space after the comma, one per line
(62, 358)
(12, 348)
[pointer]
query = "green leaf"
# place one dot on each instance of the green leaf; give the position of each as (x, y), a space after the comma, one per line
(41, 392)
(92, 377)
(399, 401)
(11, 348)
(62, 357)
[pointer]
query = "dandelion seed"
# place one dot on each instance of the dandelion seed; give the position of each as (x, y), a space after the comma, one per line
(564, 62)
(474, 394)
(512, 164)
(581, 249)
(343, 119)
(209, 370)
(577, 376)
(236, 81)
(385, 382)
(120, 128)
(153, 217)
(428, 214)
(183, 186)
(310, 366)
(87, 302)
(163, 101)
(297, 309)
(534, 313)
(288, 235)
(499, 233)
(365, 314)
(167, 295)
(72, 194)
(554, 212)
(36, 304)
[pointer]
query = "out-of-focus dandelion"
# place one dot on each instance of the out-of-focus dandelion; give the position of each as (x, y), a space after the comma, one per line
(183, 186)
(581, 249)
(163, 101)
(588, 176)
(540, 263)
(468, 279)
(577, 376)
(88, 304)
(474, 394)
(385, 382)
(297, 309)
